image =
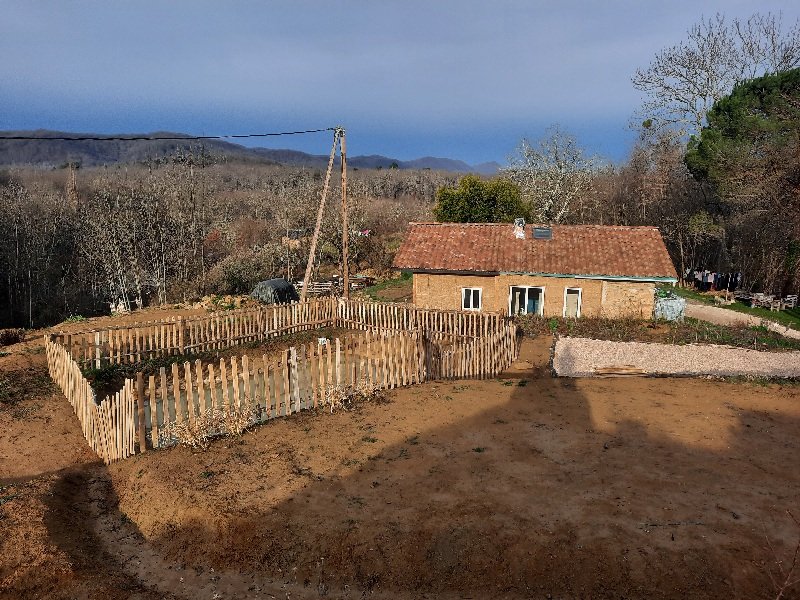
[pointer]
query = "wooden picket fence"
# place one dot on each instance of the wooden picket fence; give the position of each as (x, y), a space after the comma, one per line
(265, 388)
(401, 345)
(449, 356)
(108, 426)
(191, 335)
(181, 336)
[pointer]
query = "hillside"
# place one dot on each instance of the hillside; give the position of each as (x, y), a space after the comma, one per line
(44, 152)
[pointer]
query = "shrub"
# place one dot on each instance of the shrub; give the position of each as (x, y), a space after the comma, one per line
(75, 319)
(11, 336)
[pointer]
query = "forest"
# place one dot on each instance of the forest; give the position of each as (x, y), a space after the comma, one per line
(716, 167)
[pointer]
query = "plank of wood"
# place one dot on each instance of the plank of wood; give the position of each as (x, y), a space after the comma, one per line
(267, 388)
(153, 405)
(212, 387)
(236, 382)
(287, 391)
(176, 393)
(166, 401)
(247, 391)
(223, 373)
(619, 371)
(190, 393)
(142, 424)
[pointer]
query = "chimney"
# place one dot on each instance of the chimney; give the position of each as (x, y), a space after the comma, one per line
(519, 228)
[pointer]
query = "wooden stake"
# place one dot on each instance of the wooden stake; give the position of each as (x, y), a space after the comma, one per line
(345, 222)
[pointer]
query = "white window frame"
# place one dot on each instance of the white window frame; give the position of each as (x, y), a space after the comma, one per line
(480, 298)
(527, 287)
(580, 300)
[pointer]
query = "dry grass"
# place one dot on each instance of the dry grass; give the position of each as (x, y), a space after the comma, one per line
(198, 433)
(345, 397)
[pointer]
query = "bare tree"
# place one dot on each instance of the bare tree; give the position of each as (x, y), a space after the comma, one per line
(683, 81)
(554, 176)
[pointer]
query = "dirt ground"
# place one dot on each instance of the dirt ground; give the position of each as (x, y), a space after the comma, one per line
(524, 486)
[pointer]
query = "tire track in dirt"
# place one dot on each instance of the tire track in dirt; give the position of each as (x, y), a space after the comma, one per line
(88, 526)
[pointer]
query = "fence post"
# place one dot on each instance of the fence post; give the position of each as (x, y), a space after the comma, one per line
(294, 378)
(180, 336)
(140, 416)
(338, 363)
(97, 350)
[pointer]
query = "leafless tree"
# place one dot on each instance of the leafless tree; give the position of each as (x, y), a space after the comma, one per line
(554, 176)
(683, 81)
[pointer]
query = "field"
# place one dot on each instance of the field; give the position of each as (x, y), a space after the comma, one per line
(524, 486)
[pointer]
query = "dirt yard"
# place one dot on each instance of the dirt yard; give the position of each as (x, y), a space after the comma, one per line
(520, 487)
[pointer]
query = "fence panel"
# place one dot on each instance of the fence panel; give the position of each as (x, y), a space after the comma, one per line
(400, 345)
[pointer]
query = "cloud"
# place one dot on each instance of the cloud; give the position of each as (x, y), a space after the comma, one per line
(446, 68)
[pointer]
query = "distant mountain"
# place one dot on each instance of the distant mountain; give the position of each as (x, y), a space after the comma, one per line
(54, 153)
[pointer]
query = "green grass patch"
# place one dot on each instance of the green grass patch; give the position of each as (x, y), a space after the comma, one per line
(787, 318)
(688, 293)
(388, 291)
(75, 319)
(690, 331)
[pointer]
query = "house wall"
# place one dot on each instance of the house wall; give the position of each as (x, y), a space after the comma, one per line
(598, 298)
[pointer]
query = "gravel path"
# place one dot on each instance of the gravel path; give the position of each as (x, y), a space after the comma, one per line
(724, 316)
(581, 357)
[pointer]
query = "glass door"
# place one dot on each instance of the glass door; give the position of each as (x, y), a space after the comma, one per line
(525, 300)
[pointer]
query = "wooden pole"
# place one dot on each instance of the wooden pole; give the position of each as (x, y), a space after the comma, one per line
(345, 223)
(320, 211)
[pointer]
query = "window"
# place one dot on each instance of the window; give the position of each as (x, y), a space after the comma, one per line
(471, 298)
(526, 300)
(572, 302)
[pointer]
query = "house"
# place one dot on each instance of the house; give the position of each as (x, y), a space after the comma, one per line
(562, 270)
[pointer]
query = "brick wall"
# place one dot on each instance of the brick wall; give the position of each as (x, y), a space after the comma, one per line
(606, 298)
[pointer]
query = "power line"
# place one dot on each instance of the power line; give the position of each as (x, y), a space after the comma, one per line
(129, 138)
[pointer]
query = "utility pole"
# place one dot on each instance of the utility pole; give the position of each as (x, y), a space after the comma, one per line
(312, 252)
(345, 224)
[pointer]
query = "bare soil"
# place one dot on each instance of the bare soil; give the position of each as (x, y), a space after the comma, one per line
(520, 487)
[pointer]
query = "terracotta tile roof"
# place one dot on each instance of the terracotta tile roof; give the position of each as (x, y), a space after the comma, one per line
(573, 250)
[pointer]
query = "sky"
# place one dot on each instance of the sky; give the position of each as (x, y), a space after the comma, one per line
(458, 79)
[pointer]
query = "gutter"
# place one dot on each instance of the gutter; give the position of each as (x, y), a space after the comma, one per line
(640, 279)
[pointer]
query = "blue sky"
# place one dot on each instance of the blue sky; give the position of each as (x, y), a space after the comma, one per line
(407, 78)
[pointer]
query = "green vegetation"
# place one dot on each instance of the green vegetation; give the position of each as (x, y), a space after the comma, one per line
(690, 331)
(391, 290)
(75, 319)
(788, 318)
(477, 201)
(688, 293)
(109, 378)
(758, 115)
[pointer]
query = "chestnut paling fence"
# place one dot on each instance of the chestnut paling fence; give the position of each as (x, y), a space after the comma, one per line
(397, 345)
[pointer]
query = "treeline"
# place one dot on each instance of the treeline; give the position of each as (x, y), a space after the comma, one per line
(716, 168)
(77, 242)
